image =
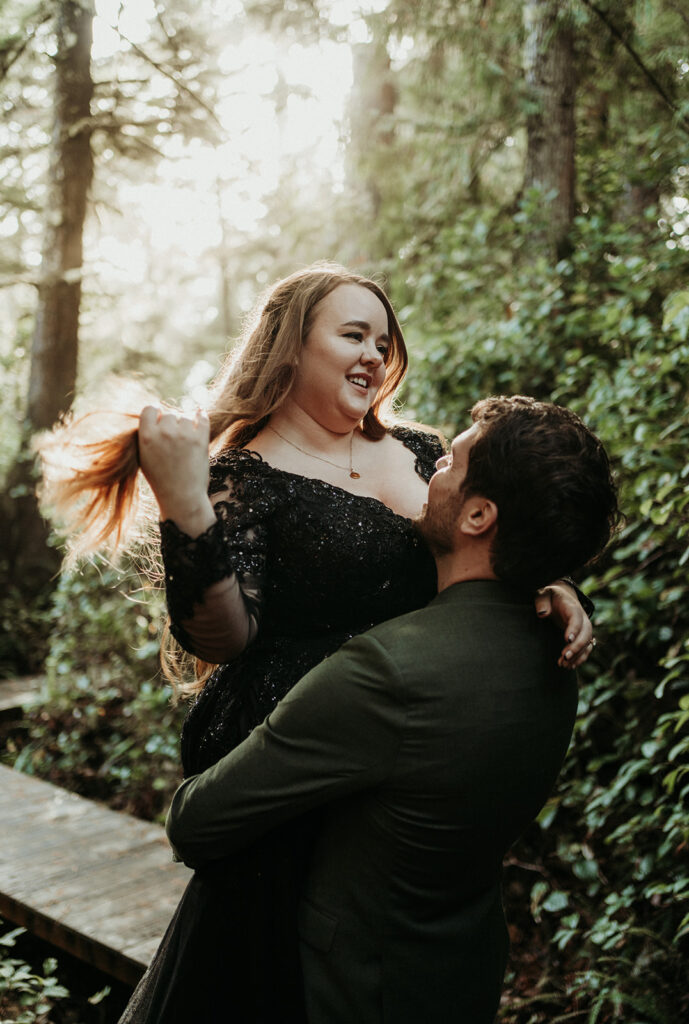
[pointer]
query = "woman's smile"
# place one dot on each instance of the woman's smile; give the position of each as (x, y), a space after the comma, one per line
(360, 381)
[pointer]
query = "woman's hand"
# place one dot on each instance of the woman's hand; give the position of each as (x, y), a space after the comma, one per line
(173, 453)
(560, 602)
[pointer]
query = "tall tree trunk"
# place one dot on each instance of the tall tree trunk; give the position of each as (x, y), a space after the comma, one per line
(549, 65)
(372, 106)
(55, 342)
(24, 550)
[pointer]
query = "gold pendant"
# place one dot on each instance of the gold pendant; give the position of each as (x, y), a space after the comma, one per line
(354, 475)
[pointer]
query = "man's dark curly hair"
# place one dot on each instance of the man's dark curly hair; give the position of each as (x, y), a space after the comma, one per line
(551, 481)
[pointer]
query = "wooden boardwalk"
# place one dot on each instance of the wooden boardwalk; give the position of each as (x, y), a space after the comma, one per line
(95, 882)
(17, 694)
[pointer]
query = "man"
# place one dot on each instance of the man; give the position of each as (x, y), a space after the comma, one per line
(430, 741)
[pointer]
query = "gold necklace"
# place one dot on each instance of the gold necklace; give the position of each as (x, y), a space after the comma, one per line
(347, 469)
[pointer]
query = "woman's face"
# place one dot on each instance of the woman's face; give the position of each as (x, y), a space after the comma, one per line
(342, 364)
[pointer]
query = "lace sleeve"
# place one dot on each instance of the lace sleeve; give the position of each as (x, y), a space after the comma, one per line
(213, 582)
(427, 447)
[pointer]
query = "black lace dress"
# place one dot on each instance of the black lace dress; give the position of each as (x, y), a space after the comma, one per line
(316, 565)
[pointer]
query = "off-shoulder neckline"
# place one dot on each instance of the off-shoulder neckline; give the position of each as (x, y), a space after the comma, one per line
(257, 458)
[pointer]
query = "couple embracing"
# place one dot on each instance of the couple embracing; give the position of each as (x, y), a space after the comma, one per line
(430, 741)
(347, 828)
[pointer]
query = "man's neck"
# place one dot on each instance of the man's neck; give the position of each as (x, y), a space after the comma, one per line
(459, 568)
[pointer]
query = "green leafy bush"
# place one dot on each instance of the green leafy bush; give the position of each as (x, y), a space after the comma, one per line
(105, 726)
(26, 995)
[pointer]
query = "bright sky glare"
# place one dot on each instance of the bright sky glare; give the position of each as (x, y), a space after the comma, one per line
(240, 172)
(155, 239)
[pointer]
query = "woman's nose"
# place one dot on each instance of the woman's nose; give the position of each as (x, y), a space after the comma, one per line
(370, 354)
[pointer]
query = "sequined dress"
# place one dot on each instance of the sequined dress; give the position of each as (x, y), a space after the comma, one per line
(316, 565)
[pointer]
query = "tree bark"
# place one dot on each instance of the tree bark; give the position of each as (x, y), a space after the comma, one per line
(25, 552)
(373, 105)
(56, 336)
(549, 65)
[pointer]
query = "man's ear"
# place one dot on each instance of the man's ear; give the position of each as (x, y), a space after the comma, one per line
(478, 516)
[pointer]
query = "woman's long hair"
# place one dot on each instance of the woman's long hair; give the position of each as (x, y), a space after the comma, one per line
(91, 476)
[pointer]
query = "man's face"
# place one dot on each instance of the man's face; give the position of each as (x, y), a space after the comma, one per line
(438, 519)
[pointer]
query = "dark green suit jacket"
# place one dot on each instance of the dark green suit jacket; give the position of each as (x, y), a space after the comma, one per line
(431, 742)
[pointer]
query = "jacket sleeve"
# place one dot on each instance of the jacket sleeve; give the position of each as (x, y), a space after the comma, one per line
(337, 731)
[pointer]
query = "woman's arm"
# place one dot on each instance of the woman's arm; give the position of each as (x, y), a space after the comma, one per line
(214, 614)
(562, 602)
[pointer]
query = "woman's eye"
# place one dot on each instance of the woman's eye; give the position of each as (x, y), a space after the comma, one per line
(356, 335)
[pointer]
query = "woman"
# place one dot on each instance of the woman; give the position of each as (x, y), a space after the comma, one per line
(305, 540)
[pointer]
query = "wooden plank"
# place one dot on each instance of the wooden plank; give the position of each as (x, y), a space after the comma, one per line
(95, 882)
(17, 694)
(68, 881)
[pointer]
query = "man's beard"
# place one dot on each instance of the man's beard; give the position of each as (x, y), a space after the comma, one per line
(436, 527)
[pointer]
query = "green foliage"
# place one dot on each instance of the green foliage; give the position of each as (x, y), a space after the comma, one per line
(24, 632)
(106, 727)
(28, 995)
